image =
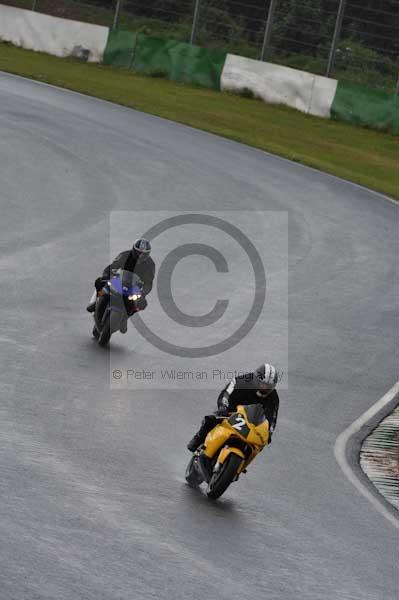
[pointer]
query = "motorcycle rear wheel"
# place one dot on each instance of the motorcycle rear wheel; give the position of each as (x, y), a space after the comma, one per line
(221, 480)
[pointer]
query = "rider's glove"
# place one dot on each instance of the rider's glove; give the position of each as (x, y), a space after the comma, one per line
(99, 283)
(222, 411)
(223, 407)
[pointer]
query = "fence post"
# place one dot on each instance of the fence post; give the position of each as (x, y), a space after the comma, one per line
(195, 21)
(34, 2)
(268, 30)
(116, 15)
(337, 33)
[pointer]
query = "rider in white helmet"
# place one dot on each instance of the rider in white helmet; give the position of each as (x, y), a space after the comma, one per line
(257, 387)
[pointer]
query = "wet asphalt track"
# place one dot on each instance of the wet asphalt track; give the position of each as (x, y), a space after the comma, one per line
(93, 503)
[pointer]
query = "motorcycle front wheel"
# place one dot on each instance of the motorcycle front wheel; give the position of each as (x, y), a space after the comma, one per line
(221, 480)
(105, 333)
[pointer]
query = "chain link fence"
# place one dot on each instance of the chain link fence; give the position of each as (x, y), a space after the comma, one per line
(355, 40)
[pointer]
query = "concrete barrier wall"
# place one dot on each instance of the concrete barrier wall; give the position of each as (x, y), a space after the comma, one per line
(322, 98)
(60, 37)
(279, 85)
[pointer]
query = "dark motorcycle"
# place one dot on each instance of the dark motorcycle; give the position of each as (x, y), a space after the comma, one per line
(119, 299)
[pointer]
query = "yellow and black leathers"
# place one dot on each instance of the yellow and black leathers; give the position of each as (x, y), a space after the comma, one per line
(244, 433)
(242, 390)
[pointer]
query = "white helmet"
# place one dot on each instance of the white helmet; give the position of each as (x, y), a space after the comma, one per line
(268, 377)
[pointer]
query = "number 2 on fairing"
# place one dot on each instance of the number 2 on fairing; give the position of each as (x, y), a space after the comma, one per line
(239, 424)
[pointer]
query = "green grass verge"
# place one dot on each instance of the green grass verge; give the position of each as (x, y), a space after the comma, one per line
(364, 156)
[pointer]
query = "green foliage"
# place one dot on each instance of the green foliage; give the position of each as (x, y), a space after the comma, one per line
(220, 25)
(314, 64)
(153, 27)
(306, 26)
(357, 63)
(352, 55)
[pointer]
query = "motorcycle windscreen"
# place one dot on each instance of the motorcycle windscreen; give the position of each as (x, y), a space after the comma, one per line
(126, 282)
(130, 279)
(255, 414)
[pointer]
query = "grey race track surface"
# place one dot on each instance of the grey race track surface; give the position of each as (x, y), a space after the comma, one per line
(93, 503)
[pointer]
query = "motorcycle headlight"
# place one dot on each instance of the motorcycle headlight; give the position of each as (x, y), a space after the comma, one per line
(134, 297)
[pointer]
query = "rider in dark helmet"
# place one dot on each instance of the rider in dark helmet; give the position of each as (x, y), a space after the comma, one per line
(137, 260)
(257, 387)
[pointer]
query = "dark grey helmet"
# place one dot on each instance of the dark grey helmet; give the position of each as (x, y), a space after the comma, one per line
(141, 248)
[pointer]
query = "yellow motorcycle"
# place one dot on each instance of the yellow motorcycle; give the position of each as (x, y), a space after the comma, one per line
(228, 449)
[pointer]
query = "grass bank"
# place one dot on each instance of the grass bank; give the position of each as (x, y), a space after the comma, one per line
(364, 156)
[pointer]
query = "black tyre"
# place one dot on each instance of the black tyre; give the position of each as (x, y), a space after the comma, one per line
(96, 333)
(220, 481)
(192, 476)
(105, 334)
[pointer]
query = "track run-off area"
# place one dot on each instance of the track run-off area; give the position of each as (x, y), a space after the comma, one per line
(93, 500)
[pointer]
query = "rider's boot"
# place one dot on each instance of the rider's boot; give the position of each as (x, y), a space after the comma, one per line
(206, 466)
(196, 441)
(92, 306)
